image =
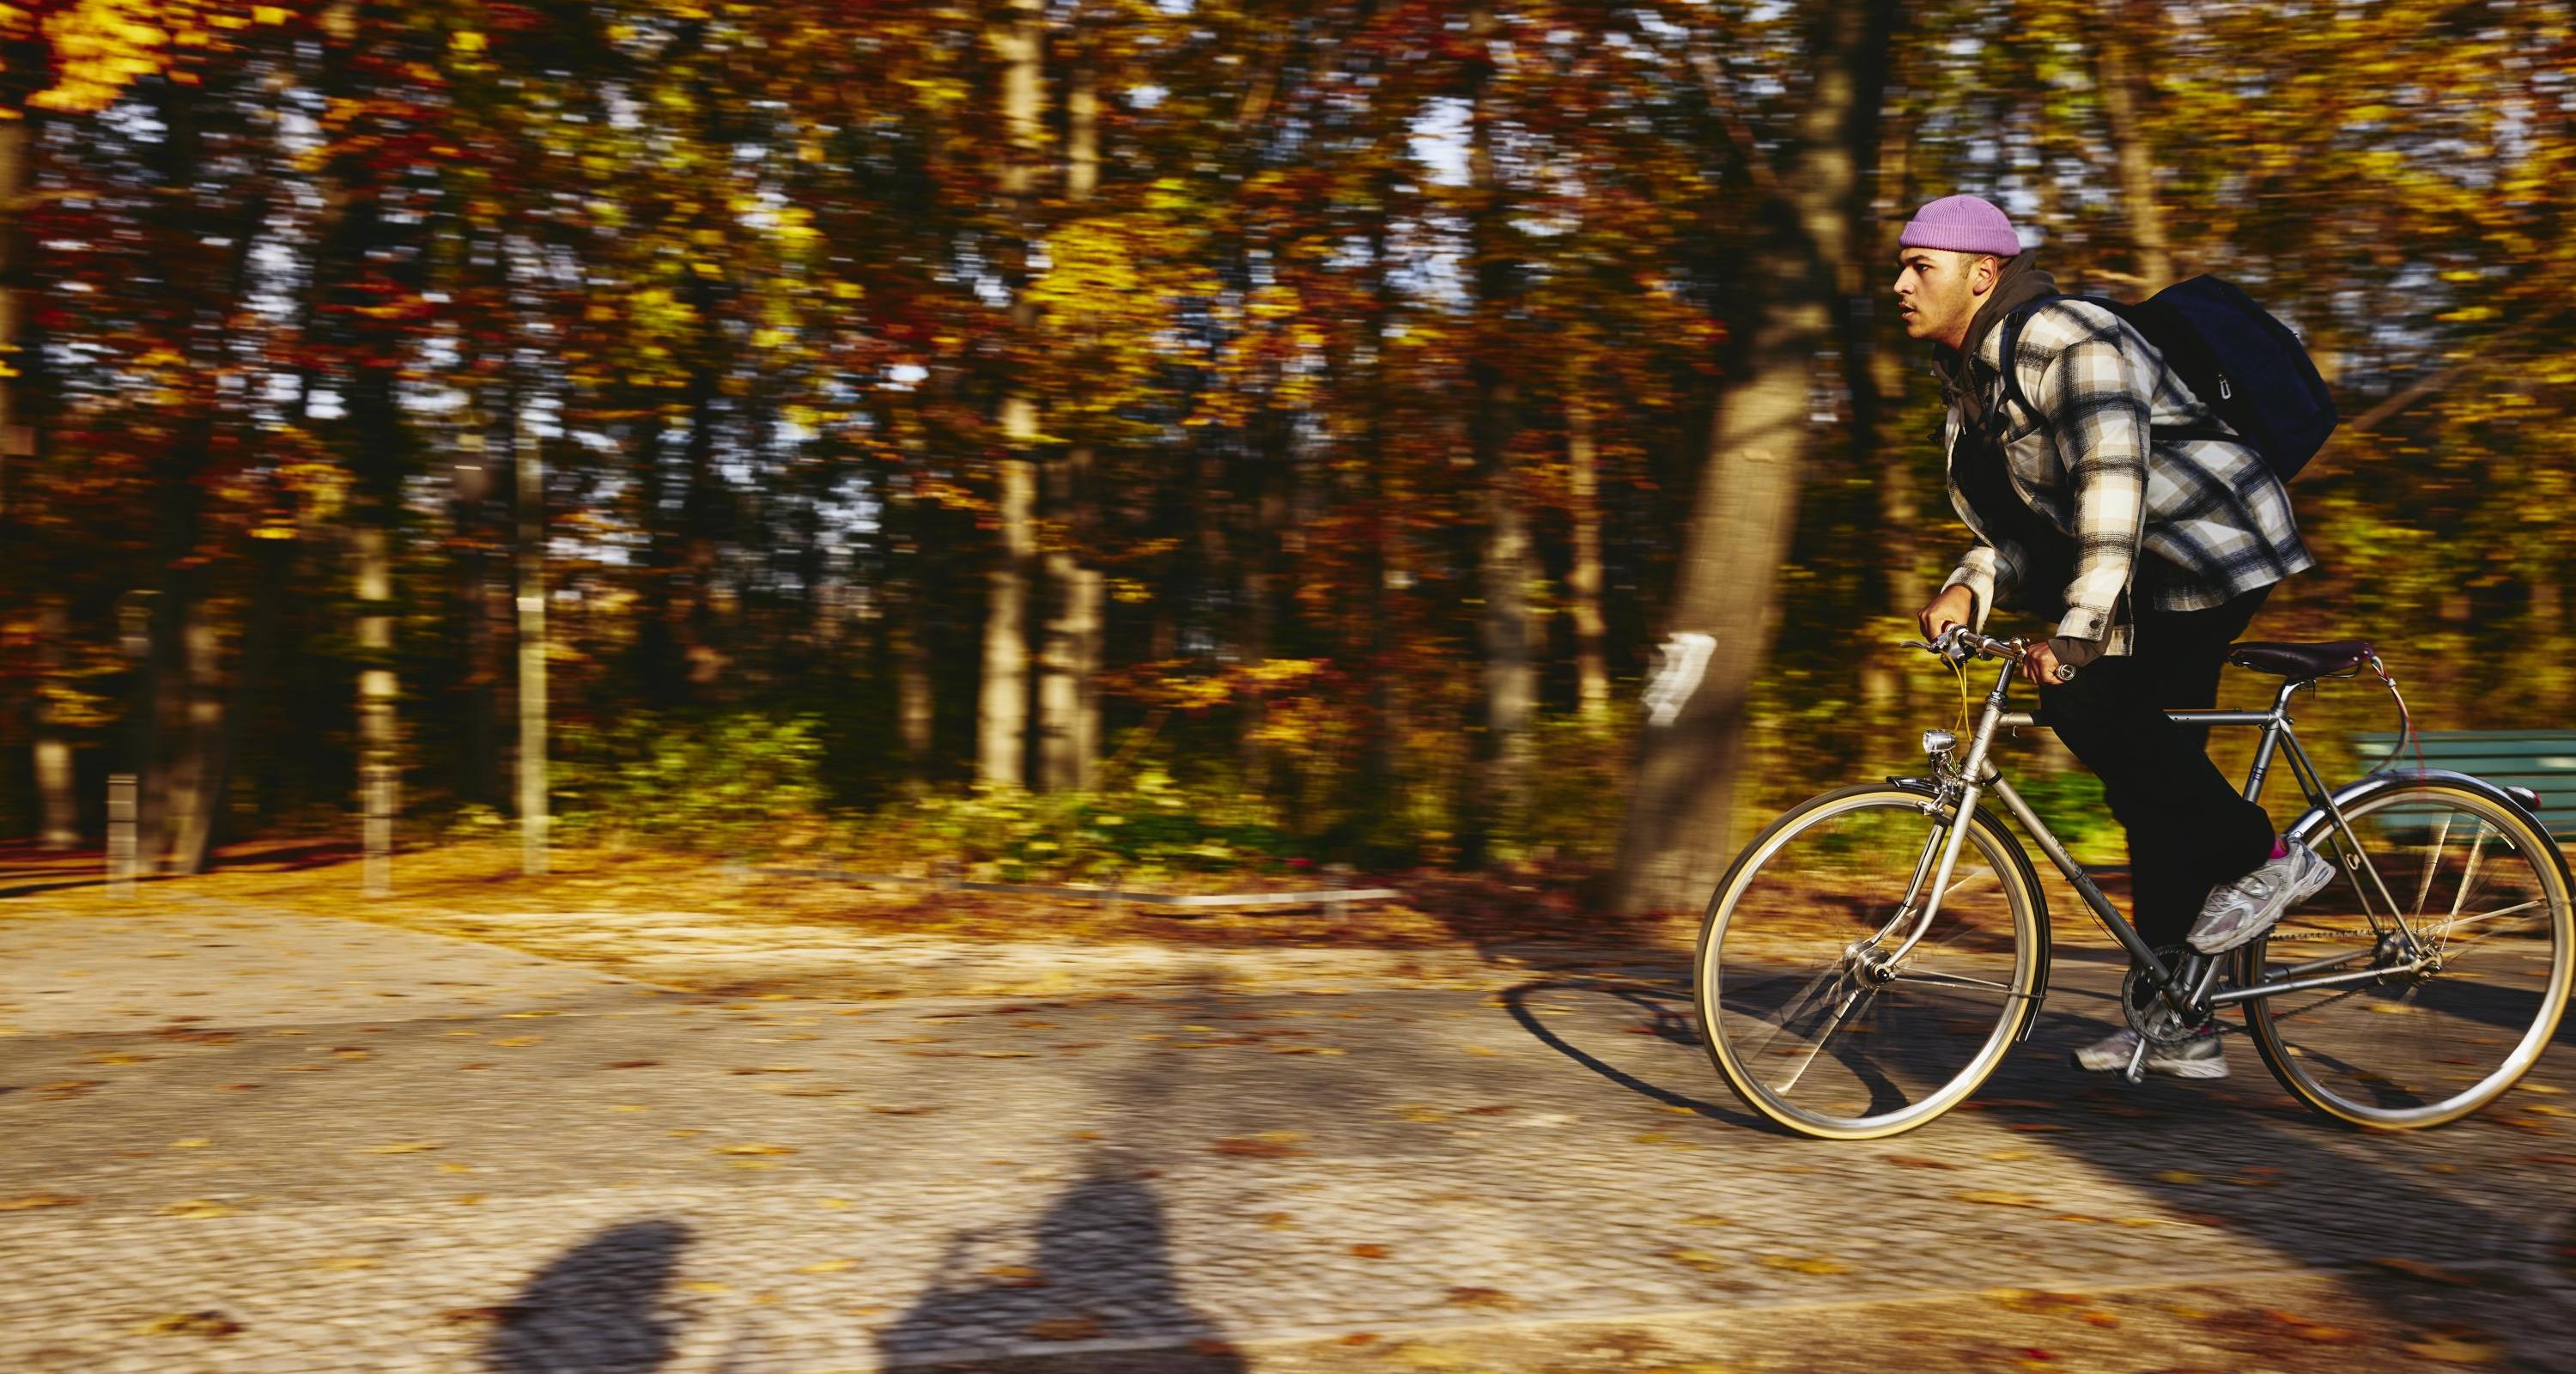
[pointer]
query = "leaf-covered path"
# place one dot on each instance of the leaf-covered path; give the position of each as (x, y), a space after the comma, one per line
(256, 1142)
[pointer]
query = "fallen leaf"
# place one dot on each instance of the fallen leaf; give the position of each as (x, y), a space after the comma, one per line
(214, 1325)
(755, 1150)
(1267, 1145)
(199, 1209)
(513, 1042)
(829, 1267)
(771, 1068)
(2430, 1273)
(2179, 1177)
(1017, 1276)
(1215, 1349)
(1065, 1329)
(504, 1312)
(1914, 1162)
(1369, 1251)
(1993, 1197)
(194, 1142)
(1804, 1265)
(1493, 1299)
(345, 1263)
(635, 1063)
(28, 1202)
(704, 1286)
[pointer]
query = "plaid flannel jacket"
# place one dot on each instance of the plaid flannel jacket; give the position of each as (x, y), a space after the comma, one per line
(2083, 456)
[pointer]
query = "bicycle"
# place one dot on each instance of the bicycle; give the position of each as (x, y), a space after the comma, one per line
(1876, 951)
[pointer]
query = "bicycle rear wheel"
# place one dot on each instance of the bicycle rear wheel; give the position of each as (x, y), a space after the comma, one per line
(2483, 892)
(1792, 1014)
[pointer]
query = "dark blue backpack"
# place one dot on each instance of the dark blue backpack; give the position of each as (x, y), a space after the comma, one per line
(2240, 362)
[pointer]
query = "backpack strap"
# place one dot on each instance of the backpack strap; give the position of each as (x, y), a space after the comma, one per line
(2012, 326)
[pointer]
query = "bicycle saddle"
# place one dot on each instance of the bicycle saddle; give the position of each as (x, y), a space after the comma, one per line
(2301, 661)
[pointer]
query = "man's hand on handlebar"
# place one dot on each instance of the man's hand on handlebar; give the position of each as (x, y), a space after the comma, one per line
(1954, 606)
(2039, 664)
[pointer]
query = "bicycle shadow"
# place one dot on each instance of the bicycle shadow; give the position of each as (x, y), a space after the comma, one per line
(598, 1307)
(1094, 1274)
(2239, 1155)
(1669, 1021)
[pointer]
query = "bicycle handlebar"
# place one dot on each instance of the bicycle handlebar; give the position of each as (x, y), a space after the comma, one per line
(1958, 644)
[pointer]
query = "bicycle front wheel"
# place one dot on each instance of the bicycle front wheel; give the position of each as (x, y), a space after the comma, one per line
(1810, 1012)
(2481, 892)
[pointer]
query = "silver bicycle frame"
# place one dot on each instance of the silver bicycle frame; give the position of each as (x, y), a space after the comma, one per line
(2185, 989)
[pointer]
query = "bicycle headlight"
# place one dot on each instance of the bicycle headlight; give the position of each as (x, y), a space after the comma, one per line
(1939, 743)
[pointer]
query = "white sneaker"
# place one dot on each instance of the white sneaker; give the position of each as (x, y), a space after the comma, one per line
(2200, 1057)
(2237, 912)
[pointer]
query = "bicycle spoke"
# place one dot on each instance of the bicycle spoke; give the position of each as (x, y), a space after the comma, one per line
(1801, 1034)
(2472, 968)
(2432, 864)
(1841, 1015)
(1956, 980)
(1819, 990)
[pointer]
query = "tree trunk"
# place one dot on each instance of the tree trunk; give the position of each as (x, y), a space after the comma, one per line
(2116, 67)
(197, 774)
(1498, 803)
(1583, 579)
(15, 439)
(1017, 39)
(527, 462)
(1678, 840)
(1876, 371)
(378, 747)
(1068, 689)
(56, 777)
(1002, 716)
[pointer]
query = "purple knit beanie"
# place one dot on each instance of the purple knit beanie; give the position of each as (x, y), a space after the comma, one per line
(1962, 224)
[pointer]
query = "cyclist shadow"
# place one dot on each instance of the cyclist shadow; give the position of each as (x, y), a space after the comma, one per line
(1667, 1021)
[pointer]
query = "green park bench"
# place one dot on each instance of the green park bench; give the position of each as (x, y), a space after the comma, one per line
(2542, 761)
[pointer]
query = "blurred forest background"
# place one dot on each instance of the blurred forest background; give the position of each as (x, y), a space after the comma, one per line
(1075, 436)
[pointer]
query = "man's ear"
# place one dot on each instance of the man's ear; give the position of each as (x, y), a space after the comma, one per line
(1989, 270)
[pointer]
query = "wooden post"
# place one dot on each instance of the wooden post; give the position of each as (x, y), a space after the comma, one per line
(533, 818)
(120, 836)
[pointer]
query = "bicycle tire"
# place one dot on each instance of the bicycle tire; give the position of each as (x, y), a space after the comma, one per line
(2476, 1025)
(1736, 969)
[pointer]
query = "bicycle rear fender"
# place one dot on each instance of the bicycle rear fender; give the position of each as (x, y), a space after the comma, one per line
(2314, 824)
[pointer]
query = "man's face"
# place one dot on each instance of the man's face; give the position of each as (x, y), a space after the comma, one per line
(1938, 292)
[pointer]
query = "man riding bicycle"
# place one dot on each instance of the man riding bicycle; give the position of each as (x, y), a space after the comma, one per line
(2151, 551)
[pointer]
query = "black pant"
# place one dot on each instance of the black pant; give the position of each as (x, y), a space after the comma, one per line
(2189, 828)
